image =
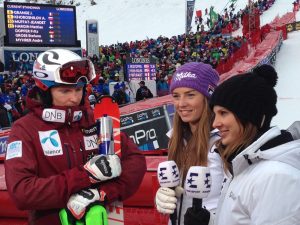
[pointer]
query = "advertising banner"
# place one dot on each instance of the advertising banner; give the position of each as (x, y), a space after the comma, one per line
(22, 60)
(293, 26)
(189, 14)
(3, 138)
(92, 38)
(148, 128)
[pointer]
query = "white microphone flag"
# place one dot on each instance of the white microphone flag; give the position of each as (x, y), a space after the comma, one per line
(198, 182)
(168, 174)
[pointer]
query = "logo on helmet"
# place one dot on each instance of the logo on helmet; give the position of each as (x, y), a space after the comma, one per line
(48, 61)
(40, 74)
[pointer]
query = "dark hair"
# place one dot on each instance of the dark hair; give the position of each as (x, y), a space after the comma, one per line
(250, 96)
(248, 134)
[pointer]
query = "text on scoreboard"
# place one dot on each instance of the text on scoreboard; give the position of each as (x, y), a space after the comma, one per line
(141, 69)
(40, 24)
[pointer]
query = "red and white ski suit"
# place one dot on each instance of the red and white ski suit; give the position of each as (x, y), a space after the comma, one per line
(41, 178)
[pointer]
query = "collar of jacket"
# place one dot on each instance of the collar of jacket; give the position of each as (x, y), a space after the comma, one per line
(81, 116)
(241, 161)
(285, 151)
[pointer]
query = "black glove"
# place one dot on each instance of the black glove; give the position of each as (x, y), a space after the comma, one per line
(196, 217)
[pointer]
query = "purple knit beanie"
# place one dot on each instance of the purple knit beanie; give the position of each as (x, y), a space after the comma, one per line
(196, 75)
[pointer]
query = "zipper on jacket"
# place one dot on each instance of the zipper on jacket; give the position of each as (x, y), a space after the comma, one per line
(69, 116)
(246, 156)
(68, 155)
(67, 132)
(81, 150)
(75, 155)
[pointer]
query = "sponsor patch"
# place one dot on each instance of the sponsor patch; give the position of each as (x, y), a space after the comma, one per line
(77, 116)
(127, 120)
(142, 116)
(50, 142)
(91, 130)
(14, 150)
(183, 75)
(54, 115)
(90, 142)
(155, 112)
(210, 90)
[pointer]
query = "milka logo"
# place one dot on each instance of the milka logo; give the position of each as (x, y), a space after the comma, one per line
(182, 75)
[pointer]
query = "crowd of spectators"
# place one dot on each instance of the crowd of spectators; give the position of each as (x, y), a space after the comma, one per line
(208, 46)
(13, 91)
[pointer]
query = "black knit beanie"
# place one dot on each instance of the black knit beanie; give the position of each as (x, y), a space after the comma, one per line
(250, 96)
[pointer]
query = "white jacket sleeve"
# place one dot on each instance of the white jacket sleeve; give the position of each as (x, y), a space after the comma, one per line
(215, 165)
(275, 195)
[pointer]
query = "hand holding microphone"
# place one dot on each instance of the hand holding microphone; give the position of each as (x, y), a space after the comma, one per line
(197, 186)
(165, 199)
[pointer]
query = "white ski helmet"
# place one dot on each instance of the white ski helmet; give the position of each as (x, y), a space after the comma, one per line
(60, 66)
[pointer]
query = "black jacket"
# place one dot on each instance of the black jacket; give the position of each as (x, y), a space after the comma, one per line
(143, 93)
(4, 120)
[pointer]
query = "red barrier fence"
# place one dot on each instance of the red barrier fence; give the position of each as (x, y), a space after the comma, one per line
(279, 23)
(261, 51)
(226, 65)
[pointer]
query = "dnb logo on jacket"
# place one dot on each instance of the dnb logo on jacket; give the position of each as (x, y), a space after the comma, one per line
(90, 138)
(50, 142)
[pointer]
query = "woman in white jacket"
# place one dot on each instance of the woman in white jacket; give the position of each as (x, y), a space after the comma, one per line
(191, 139)
(262, 163)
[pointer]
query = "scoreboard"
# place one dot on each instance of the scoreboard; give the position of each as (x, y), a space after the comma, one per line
(141, 69)
(40, 25)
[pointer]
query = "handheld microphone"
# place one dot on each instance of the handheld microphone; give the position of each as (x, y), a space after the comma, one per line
(198, 184)
(168, 176)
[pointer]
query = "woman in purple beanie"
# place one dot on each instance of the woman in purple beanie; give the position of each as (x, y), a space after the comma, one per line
(191, 139)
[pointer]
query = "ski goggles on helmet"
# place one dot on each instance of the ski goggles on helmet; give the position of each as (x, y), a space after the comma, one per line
(75, 71)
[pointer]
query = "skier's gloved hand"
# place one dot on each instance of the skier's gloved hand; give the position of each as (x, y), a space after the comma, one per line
(196, 217)
(78, 202)
(103, 167)
(165, 200)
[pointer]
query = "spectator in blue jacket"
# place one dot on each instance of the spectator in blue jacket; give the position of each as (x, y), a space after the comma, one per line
(162, 87)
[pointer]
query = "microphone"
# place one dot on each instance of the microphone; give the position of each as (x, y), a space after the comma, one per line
(197, 185)
(168, 176)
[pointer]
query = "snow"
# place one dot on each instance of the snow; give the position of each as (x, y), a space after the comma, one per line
(130, 20)
(288, 85)
(280, 8)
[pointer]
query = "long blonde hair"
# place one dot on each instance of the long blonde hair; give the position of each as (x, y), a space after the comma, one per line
(249, 132)
(194, 151)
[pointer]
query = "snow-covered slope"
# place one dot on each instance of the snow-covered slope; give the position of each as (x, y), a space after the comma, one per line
(288, 85)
